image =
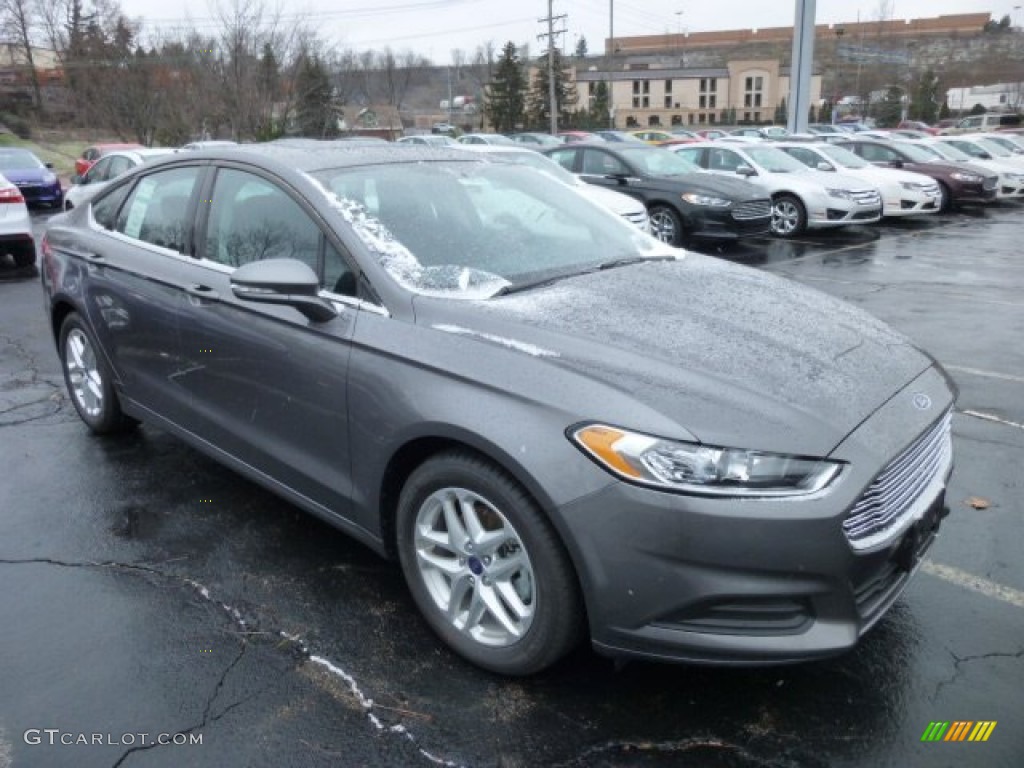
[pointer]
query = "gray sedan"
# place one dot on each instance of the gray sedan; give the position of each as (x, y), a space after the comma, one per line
(557, 425)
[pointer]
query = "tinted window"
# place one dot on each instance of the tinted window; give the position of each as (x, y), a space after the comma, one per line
(105, 209)
(805, 156)
(723, 160)
(157, 210)
(118, 165)
(602, 164)
(565, 158)
(876, 154)
(253, 219)
(99, 172)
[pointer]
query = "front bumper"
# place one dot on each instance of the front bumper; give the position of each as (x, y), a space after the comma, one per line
(912, 202)
(754, 581)
(724, 224)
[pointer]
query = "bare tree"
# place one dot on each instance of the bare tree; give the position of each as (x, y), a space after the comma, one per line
(17, 20)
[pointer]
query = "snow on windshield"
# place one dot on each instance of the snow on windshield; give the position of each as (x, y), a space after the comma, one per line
(465, 230)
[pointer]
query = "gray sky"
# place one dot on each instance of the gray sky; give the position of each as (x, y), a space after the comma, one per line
(434, 27)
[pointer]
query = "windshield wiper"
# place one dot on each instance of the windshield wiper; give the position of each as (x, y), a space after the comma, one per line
(629, 260)
(611, 264)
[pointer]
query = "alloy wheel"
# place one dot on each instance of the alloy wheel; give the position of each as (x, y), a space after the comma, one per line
(83, 373)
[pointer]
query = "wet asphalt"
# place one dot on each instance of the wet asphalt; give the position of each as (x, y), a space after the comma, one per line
(144, 590)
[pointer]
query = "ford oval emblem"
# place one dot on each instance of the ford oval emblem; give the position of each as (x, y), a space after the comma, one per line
(921, 401)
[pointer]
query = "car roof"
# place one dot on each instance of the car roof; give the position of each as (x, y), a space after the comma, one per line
(311, 155)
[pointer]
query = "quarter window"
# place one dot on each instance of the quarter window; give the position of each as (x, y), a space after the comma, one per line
(157, 210)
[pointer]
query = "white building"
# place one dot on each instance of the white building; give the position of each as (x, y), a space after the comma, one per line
(994, 98)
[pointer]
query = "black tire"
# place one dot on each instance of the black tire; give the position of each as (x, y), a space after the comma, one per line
(24, 256)
(95, 399)
(68, 205)
(789, 217)
(666, 224)
(556, 620)
(945, 198)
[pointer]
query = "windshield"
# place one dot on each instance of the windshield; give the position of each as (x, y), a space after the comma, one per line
(775, 160)
(944, 151)
(467, 230)
(844, 157)
(994, 148)
(18, 160)
(914, 152)
(655, 161)
(536, 160)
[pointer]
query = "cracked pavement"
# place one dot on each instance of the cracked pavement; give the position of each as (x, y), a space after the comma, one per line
(148, 590)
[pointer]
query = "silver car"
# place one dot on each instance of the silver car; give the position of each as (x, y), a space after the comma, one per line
(558, 426)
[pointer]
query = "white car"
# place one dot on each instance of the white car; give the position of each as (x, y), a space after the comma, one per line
(15, 226)
(983, 148)
(802, 198)
(429, 139)
(629, 208)
(208, 144)
(1010, 177)
(107, 168)
(903, 193)
(486, 138)
(1010, 141)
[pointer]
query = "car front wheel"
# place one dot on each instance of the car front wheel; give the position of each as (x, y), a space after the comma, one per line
(89, 380)
(666, 225)
(484, 567)
(789, 217)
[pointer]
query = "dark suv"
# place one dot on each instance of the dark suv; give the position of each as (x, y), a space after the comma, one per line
(958, 182)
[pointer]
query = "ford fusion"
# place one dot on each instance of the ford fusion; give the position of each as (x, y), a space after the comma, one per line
(558, 426)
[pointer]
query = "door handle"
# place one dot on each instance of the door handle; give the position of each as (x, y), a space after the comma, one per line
(201, 291)
(92, 257)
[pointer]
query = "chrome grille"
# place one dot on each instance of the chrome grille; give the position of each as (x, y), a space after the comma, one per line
(866, 197)
(752, 209)
(890, 500)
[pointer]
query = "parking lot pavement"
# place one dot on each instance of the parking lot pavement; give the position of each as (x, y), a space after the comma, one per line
(147, 590)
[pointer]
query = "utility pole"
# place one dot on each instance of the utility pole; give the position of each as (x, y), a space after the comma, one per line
(550, 35)
(611, 64)
(800, 66)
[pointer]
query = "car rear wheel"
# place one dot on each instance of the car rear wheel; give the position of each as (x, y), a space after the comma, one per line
(789, 217)
(25, 256)
(666, 225)
(89, 380)
(484, 567)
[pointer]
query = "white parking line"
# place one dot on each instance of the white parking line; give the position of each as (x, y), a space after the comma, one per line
(985, 374)
(992, 417)
(974, 583)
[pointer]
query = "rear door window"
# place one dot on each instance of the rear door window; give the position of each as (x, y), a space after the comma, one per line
(157, 211)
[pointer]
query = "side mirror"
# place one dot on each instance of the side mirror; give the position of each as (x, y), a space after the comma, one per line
(76, 179)
(282, 281)
(745, 170)
(823, 166)
(50, 166)
(895, 163)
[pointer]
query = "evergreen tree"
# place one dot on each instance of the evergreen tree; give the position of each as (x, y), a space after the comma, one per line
(538, 102)
(599, 107)
(890, 108)
(314, 106)
(944, 111)
(926, 95)
(781, 115)
(505, 100)
(581, 48)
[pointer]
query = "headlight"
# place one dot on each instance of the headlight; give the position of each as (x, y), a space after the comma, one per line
(715, 202)
(690, 467)
(967, 178)
(843, 194)
(913, 186)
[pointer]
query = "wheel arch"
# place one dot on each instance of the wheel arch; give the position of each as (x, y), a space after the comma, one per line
(414, 450)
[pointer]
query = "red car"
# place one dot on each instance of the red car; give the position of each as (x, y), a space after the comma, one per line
(571, 137)
(91, 154)
(917, 125)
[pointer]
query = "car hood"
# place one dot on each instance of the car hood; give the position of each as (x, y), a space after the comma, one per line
(699, 349)
(889, 176)
(709, 184)
(617, 202)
